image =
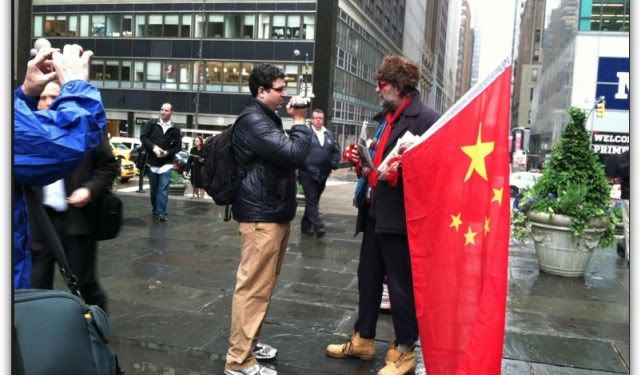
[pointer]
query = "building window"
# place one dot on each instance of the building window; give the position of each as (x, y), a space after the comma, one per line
(58, 26)
(535, 75)
(175, 75)
(111, 74)
(96, 72)
(536, 55)
(537, 36)
(37, 26)
(531, 93)
(309, 27)
(231, 76)
(263, 26)
(98, 26)
(293, 27)
(278, 26)
(171, 26)
(216, 27)
(292, 78)
(140, 26)
(154, 26)
(244, 76)
(154, 75)
(125, 75)
(139, 74)
(249, 23)
(185, 26)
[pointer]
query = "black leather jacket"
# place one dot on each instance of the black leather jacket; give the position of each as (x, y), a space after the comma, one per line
(266, 161)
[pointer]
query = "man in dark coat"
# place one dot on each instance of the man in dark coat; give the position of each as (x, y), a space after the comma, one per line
(381, 218)
(71, 206)
(162, 141)
(264, 205)
(323, 157)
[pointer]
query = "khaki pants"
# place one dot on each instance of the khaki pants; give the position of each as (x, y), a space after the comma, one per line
(262, 247)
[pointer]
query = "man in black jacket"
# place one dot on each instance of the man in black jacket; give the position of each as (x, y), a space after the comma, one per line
(381, 218)
(73, 216)
(162, 141)
(323, 157)
(265, 204)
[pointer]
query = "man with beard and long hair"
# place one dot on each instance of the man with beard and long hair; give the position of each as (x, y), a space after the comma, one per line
(381, 218)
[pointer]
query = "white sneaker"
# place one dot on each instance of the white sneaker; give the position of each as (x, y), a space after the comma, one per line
(264, 351)
(253, 370)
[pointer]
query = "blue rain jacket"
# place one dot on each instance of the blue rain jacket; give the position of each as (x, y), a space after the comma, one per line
(47, 146)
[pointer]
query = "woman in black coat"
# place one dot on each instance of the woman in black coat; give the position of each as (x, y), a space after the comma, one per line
(197, 167)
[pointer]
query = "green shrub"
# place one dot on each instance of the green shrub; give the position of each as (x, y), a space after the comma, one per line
(573, 184)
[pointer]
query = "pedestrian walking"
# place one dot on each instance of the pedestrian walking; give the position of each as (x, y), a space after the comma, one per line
(322, 159)
(162, 141)
(381, 218)
(196, 164)
(264, 205)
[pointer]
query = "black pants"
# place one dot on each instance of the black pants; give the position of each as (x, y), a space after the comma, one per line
(311, 218)
(81, 254)
(385, 254)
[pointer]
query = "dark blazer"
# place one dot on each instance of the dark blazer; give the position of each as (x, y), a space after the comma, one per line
(389, 205)
(96, 172)
(321, 159)
(266, 161)
(152, 135)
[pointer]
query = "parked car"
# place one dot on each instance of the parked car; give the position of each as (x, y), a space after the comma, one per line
(130, 142)
(522, 180)
(127, 170)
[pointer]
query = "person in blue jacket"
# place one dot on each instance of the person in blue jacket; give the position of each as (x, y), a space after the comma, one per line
(48, 145)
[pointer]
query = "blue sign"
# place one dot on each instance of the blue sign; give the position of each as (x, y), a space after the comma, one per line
(613, 82)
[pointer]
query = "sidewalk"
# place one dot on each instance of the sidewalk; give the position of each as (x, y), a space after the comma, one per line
(170, 286)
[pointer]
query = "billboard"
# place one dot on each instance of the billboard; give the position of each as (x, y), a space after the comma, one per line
(613, 82)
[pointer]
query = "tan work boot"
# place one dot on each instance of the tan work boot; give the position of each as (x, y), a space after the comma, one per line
(356, 347)
(398, 363)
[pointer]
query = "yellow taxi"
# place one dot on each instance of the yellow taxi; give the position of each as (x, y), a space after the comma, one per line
(122, 153)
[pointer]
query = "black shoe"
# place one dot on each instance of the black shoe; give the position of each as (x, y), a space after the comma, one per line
(320, 233)
(162, 218)
(307, 231)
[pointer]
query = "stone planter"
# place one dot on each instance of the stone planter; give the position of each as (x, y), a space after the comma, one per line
(558, 253)
(177, 189)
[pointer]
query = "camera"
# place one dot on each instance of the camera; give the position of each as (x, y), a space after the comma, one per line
(299, 102)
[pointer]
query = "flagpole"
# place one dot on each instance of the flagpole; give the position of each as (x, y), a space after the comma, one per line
(469, 96)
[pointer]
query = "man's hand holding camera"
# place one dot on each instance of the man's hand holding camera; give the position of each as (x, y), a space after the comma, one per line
(50, 64)
(297, 109)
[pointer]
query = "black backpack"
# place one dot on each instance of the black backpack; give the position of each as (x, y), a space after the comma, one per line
(220, 167)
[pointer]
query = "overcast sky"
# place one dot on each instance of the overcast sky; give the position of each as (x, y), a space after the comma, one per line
(494, 19)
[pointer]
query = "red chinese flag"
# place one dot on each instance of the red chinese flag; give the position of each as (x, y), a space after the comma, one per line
(457, 202)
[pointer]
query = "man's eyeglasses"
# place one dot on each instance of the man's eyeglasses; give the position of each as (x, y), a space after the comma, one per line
(279, 89)
(381, 83)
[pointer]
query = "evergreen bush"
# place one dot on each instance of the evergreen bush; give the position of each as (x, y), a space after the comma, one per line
(573, 184)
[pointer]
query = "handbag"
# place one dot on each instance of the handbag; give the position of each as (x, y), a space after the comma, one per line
(56, 332)
(108, 217)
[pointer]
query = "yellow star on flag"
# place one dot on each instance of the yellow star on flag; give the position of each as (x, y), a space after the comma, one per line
(456, 221)
(498, 195)
(477, 153)
(469, 236)
(486, 226)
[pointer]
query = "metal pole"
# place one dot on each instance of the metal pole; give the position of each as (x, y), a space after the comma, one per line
(141, 172)
(305, 73)
(200, 65)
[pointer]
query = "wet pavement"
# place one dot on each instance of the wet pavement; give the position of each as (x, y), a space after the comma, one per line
(170, 286)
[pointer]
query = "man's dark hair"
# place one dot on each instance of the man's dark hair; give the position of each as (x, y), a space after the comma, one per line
(263, 75)
(318, 110)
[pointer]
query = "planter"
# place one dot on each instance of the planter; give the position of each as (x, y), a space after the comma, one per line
(558, 253)
(177, 189)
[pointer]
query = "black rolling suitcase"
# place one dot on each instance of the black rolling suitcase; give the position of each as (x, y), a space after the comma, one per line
(56, 332)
